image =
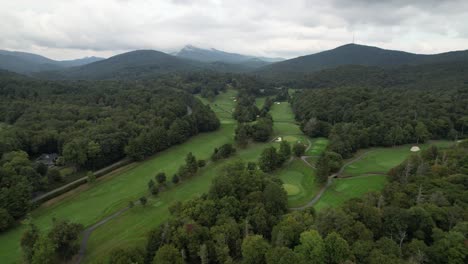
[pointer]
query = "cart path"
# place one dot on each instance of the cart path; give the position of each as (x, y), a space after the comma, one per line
(329, 182)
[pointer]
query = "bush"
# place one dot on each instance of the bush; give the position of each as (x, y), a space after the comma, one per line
(175, 178)
(201, 163)
(90, 177)
(161, 177)
(143, 200)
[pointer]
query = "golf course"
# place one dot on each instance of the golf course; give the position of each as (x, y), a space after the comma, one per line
(90, 203)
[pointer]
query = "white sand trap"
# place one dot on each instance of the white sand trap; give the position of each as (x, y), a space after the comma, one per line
(415, 149)
(278, 139)
(278, 103)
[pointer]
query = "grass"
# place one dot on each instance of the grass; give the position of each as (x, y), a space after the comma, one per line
(381, 160)
(344, 189)
(318, 146)
(282, 112)
(302, 177)
(222, 105)
(362, 173)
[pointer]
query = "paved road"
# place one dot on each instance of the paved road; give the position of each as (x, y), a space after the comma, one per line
(329, 182)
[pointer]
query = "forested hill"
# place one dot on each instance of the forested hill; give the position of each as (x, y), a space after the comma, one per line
(130, 65)
(426, 76)
(23, 62)
(142, 64)
(353, 54)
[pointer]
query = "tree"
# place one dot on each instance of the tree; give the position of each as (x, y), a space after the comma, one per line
(336, 249)
(298, 149)
(54, 175)
(268, 159)
(28, 240)
(254, 249)
(44, 251)
(421, 132)
(161, 178)
(282, 255)
(143, 200)
(64, 237)
(311, 248)
(284, 152)
(241, 135)
(191, 164)
(168, 254)
(127, 255)
(323, 168)
(6, 220)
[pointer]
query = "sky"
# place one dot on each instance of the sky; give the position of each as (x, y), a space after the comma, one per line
(67, 29)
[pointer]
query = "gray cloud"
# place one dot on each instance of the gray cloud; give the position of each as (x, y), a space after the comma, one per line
(75, 28)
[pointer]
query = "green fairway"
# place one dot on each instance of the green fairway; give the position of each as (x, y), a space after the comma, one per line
(223, 105)
(318, 146)
(381, 160)
(282, 112)
(259, 102)
(133, 226)
(302, 177)
(344, 189)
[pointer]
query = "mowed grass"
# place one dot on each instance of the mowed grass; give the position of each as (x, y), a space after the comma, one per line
(381, 160)
(318, 146)
(223, 105)
(282, 112)
(344, 189)
(299, 179)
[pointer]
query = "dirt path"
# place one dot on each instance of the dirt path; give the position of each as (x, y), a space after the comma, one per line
(329, 182)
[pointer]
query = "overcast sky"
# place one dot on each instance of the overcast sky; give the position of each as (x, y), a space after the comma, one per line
(65, 29)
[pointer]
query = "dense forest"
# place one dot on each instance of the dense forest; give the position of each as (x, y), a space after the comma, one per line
(354, 118)
(90, 124)
(419, 217)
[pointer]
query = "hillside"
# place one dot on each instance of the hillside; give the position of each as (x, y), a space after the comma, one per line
(131, 65)
(214, 55)
(23, 62)
(353, 54)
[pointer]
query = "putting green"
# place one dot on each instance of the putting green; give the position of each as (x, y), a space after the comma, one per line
(297, 174)
(291, 189)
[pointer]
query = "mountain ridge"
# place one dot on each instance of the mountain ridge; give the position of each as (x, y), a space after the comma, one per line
(354, 54)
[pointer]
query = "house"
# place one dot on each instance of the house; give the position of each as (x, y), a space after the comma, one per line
(48, 159)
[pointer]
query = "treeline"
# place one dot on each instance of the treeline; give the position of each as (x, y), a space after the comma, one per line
(419, 217)
(426, 76)
(354, 118)
(90, 123)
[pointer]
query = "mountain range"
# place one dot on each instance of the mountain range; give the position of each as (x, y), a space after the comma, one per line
(353, 54)
(23, 62)
(146, 63)
(213, 55)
